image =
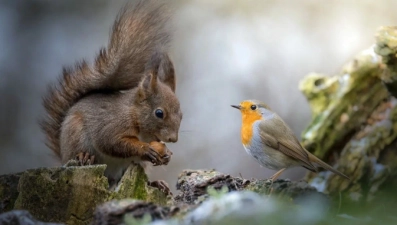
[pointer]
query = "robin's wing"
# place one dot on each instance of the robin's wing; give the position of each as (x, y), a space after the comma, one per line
(271, 132)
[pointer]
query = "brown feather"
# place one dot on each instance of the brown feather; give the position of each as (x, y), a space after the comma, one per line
(280, 137)
(276, 134)
(287, 144)
(326, 166)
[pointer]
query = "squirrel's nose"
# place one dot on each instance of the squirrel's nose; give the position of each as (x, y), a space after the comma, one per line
(173, 138)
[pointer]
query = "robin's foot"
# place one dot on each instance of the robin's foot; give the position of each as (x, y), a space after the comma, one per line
(84, 158)
(270, 191)
(161, 185)
(269, 184)
(276, 175)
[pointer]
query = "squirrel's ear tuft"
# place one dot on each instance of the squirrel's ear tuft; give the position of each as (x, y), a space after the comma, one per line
(161, 65)
(167, 72)
(152, 69)
(146, 80)
(147, 86)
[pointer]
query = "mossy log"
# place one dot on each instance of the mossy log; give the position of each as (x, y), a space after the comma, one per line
(354, 125)
(386, 47)
(71, 194)
(197, 187)
(8, 191)
(194, 185)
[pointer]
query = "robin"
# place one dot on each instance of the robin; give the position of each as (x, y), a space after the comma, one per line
(267, 138)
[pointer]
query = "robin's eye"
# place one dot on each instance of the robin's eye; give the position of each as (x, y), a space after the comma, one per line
(253, 107)
(159, 113)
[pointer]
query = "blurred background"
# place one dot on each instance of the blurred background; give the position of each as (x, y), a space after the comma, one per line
(224, 52)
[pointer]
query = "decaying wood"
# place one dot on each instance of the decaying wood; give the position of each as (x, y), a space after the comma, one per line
(354, 124)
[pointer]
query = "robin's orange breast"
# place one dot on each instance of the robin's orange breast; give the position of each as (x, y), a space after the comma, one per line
(247, 126)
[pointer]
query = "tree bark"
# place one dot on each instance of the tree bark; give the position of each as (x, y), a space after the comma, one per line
(354, 125)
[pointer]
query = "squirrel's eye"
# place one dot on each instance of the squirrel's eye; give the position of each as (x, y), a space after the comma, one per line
(159, 113)
(253, 107)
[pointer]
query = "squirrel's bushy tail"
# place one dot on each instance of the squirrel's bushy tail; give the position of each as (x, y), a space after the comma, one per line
(139, 32)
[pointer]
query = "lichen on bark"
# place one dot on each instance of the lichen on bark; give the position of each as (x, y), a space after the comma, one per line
(67, 194)
(386, 47)
(70, 194)
(134, 185)
(341, 103)
(194, 184)
(354, 125)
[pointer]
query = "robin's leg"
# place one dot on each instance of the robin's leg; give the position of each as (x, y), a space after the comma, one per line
(274, 177)
(277, 174)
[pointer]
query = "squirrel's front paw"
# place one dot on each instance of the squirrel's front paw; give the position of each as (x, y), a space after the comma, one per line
(84, 158)
(159, 154)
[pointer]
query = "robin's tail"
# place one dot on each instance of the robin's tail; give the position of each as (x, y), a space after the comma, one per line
(314, 159)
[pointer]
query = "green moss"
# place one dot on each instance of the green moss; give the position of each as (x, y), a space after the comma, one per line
(66, 194)
(259, 186)
(134, 185)
(341, 103)
(71, 194)
(318, 89)
(361, 151)
(355, 116)
(386, 47)
(140, 187)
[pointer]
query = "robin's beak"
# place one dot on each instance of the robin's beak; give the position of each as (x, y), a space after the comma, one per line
(236, 106)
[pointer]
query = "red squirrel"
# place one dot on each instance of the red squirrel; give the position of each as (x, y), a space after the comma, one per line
(122, 108)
